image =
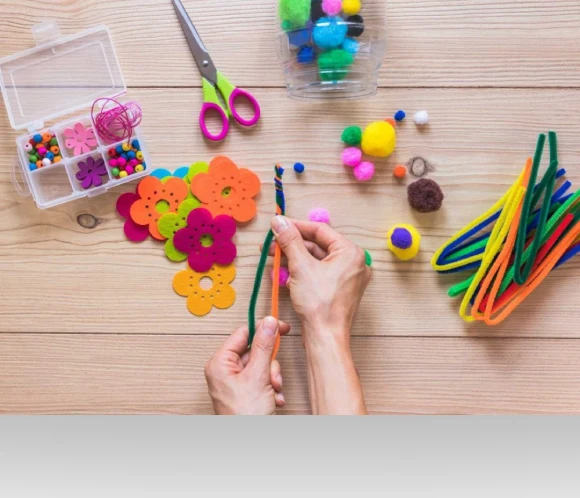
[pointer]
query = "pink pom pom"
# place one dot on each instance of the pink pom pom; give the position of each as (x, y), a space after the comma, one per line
(319, 215)
(364, 171)
(284, 276)
(332, 7)
(351, 157)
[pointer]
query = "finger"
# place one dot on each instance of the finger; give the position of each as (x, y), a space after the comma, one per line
(263, 347)
(311, 247)
(290, 240)
(276, 376)
(246, 358)
(323, 235)
(284, 330)
(237, 342)
(280, 401)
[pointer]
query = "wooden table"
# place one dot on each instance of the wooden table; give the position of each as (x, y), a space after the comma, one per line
(89, 322)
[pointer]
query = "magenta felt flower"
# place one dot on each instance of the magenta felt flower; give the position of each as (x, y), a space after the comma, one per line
(91, 171)
(80, 139)
(207, 240)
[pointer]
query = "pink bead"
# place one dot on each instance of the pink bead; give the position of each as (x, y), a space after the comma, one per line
(130, 170)
(332, 7)
(121, 162)
(320, 215)
(284, 276)
(351, 157)
(113, 163)
(364, 171)
(133, 163)
(42, 151)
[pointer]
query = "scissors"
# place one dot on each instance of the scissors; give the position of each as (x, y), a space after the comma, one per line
(214, 81)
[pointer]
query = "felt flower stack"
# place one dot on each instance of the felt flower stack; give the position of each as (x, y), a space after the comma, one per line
(194, 211)
(535, 228)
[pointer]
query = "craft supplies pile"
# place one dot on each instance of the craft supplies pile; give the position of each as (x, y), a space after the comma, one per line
(535, 228)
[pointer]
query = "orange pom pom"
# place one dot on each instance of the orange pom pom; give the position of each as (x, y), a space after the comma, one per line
(391, 121)
(400, 172)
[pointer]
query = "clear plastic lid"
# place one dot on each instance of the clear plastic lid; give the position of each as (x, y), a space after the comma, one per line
(62, 74)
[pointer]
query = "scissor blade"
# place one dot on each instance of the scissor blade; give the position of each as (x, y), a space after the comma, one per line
(200, 53)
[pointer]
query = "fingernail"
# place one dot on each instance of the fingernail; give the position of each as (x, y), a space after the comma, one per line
(280, 224)
(280, 398)
(270, 326)
(279, 379)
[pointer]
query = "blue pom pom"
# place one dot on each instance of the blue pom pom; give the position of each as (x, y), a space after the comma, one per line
(402, 238)
(305, 55)
(400, 115)
(299, 168)
(350, 45)
(299, 37)
(330, 32)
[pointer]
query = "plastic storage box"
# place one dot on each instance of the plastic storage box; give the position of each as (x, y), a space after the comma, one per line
(62, 75)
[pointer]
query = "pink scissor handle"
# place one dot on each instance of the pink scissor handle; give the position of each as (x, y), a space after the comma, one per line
(207, 107)
(239, 93)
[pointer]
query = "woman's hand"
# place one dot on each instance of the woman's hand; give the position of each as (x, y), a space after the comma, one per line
(243, 382)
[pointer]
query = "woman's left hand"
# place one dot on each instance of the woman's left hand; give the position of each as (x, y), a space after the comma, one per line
(243, 382)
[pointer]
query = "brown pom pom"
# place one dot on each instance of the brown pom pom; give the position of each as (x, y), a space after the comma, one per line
(425, 196)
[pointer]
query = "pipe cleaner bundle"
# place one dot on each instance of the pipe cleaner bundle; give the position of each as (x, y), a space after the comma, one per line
(280, 210)
(510, 249)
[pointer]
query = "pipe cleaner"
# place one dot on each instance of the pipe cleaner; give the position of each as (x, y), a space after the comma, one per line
(280, 210)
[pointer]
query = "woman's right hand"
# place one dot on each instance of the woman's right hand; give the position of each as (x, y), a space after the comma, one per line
(328, 275)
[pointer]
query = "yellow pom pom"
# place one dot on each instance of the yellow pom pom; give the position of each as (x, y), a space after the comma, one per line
(379, 139)
(404, 241)
(351, 7)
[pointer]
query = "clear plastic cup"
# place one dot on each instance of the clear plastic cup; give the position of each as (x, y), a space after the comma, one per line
(331, 55)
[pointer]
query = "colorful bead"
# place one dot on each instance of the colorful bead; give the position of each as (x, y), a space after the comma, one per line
(42, 151)
(123, 174)
(37, 138)
(126, 147)
(139, 156)
(144, 165)
(136, 144)
(131, 155)
(32, 142)
(129, 170)
(113, 163)
(46, 162)
(133, 163)
(46, 137)
(121, 162)
(49, 155)
(124, 156)
(112, 153)
(55, 149)
(53, 141)
(57, 159)
(28, 148)
(32, 166)
(119, 149)
(115, 171)
(33, 158)
(38, 145)
(139, 168)
(39, 164)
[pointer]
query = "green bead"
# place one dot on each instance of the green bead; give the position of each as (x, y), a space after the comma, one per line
(33, 158)
(368, 258)
(115, 172)
(53, 141)
(352, 135)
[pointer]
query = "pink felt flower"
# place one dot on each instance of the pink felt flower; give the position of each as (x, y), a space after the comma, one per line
(80, 139)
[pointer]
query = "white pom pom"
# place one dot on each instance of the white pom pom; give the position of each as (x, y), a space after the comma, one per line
(421, 118)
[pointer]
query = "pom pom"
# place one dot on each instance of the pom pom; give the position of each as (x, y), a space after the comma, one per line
(329, 32)
(355, 26)
(300, 37)
(352, 135)
(319, 215)
(351, 7)
(425, 196)
(400, 115)
(331, 7)
(364, 171)
(294, 13)
(351, 156)
(421, 118)
(332, 65)
(350, 45)
(299, 168)
(305, 55)
(400, 172)
(368, 258)
(284, 276)
(379, 139)
(404, 241)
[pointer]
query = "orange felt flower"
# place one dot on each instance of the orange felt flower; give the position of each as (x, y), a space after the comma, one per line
(200, 301)
(156, 199)
(227, 189)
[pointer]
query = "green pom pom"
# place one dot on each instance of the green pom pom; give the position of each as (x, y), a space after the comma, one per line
(294, 13)
(368, 258)
(352, 135)
(333, 65)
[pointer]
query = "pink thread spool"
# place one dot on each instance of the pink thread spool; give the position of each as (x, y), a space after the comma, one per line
(117, 123)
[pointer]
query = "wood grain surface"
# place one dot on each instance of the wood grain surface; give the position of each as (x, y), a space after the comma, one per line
(89, 322)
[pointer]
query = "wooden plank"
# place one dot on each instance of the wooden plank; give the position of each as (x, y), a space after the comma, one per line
(164, 374)
(60, 277)
(470, 43)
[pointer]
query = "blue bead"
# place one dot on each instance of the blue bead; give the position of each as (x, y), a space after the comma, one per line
(119, 149)
(131, 155)
(125, 156)
(400, 115)
(37, 138)
(49, 155)
(135, 144)
(32, 166)
(305, 55)
(144, 165)
(299, 168)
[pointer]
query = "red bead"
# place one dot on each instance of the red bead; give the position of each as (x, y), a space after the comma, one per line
(112, 153)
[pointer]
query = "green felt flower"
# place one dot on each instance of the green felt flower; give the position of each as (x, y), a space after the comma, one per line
(170, 223)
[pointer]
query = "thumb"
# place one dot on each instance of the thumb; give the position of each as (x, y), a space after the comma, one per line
(290, 241)
(263, 347)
